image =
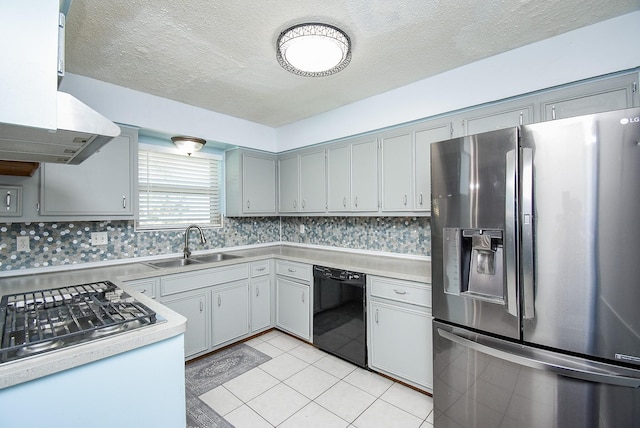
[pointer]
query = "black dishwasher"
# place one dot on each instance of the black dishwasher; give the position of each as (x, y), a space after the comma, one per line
(340, 313)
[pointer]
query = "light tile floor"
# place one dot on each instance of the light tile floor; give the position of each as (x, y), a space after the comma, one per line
(302, 386)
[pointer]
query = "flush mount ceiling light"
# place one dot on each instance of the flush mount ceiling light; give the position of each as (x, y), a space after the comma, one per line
(313, 50)
(188, 145)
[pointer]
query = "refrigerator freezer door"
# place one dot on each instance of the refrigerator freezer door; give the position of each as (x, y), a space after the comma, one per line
(483, 382)
(586, 236)
(474, 210)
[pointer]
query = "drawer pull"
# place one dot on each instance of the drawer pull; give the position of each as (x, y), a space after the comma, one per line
(401, 292)
(144, 290)
(291, 270)
(261, 269)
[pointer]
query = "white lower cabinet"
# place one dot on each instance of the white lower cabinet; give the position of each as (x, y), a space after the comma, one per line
(293, 307)
(230, 312)
(195, 308)
(400, 342)
(261, 300)
(215, 302)
(293, 298)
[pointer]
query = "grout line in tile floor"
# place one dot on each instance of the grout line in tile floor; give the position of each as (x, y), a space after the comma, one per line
(304, 386)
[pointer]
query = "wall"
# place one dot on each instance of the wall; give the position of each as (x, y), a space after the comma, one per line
(142, 110)
(591, 51)
(67, 243)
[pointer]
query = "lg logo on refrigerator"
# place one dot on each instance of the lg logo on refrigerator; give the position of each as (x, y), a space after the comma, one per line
(627, 120)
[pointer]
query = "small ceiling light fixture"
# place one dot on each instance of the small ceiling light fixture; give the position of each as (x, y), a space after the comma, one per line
(313, 50)
(188, 144)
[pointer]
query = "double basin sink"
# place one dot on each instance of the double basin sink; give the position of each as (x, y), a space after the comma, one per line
(180, 262)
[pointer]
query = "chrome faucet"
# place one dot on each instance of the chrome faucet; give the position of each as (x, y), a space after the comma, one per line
(203, 240)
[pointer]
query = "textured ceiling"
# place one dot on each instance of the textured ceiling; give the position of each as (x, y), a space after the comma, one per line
(220, 55)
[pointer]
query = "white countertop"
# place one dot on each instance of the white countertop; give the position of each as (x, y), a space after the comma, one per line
(19, 371)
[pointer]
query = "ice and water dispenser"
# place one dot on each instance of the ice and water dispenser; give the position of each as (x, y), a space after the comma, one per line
(474, 263)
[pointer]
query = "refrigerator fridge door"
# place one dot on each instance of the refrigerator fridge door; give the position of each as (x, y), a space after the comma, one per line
(474, 208)
(484, 382)
(586, 195)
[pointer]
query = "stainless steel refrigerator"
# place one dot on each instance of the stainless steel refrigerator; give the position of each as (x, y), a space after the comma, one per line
(536, 275)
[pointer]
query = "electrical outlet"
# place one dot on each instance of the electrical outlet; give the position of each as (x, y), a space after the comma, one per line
(23, 243)
(99, 238)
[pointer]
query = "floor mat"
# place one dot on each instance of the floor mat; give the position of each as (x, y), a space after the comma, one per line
(208, 373)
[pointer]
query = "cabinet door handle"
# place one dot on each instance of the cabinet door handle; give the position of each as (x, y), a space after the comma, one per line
(401, 292)
(356, 202)
(405, 200)
(521, 118)
(295, 204)
(124, 202)
(257, 292)
(376, 316)
(303, 203)
(344, 201)
(303, 297)
(420, 198)
(219, 301)
(248, 204)
(8, 201)
(201, 306)
(553, 112)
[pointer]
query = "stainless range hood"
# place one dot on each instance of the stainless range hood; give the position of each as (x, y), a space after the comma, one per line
(80, 132)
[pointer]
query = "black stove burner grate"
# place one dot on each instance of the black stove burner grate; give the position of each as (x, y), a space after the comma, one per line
(39, 321)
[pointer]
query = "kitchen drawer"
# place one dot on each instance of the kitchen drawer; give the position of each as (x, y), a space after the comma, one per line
(146, 286)
(413, 293)
(299, 271)
(260, 268)
(178, 283)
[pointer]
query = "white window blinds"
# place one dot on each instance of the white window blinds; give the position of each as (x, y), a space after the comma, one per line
(176, 190)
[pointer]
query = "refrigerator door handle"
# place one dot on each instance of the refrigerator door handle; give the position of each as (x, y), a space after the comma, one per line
(564, 365)
(510, 232)
(526, 255)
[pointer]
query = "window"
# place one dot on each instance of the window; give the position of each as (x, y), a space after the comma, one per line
(176, 190)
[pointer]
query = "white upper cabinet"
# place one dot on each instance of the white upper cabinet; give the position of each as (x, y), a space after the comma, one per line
(313, 181)
(339, 178)
(364, 175)
(613, 93)
(397, 170)
(250, 183)
(406, 166)
(423, 136)
(302, 181)
(288, 184)
(500, 116)
(100, 187)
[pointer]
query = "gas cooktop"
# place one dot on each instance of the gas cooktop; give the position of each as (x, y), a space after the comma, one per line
(46, 320)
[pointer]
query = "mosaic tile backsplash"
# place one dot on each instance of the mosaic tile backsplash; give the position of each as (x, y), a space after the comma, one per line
(64, 243)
